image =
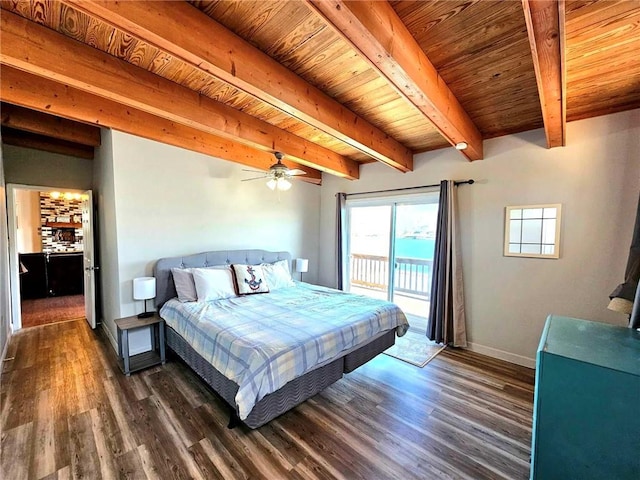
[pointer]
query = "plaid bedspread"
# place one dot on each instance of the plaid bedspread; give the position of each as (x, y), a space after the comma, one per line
(263, 341)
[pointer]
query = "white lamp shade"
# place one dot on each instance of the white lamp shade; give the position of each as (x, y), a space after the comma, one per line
(284, 184)
(302, 265)
(144, 288)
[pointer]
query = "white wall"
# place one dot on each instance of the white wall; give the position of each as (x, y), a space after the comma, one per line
(169, 201)
(34, 167)
(5, 298)
(105, 234)
(28, 238)
(596, 178)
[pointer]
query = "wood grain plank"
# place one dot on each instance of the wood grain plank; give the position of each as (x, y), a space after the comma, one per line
(44, 458)
(106, 459)
(122, 414)
(129, 466)
(61, 414)
(14, 441)
(205, 456)
(82, 449)
(602, 41)
(188, 426)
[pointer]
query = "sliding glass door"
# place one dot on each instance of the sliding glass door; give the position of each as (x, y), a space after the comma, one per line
(390, 251)
(368, 250)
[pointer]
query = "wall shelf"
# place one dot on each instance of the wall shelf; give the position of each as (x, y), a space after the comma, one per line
(63, 225)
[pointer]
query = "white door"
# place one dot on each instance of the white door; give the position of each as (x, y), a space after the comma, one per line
(89, 261)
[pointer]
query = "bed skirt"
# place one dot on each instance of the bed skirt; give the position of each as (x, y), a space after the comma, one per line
(293, 393)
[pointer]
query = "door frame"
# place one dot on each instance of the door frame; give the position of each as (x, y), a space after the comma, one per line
(14, 263)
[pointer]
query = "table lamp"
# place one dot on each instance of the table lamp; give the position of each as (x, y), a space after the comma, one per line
(302, 266)
(144, 288)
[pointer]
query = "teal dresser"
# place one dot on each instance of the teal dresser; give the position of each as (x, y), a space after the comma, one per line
(586, 422)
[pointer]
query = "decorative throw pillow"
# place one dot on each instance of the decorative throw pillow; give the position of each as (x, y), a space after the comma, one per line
(213, 283)
(250, 279)
(183, 281)
(277, 274)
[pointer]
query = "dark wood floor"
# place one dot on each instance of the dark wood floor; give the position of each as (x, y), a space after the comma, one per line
(67, 411)
(41, 311)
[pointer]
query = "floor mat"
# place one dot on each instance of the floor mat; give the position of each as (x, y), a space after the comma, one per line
(415, 349)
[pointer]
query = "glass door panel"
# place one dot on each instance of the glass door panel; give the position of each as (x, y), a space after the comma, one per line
(369, 247)
(414, 243)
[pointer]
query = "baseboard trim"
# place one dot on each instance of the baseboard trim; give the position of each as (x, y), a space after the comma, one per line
(107, 332)
(502, 355)
(5, 349)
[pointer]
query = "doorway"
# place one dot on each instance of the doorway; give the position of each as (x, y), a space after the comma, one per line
(50, 238)
(390, 250)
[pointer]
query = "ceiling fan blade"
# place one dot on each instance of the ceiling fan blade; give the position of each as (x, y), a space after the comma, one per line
(296, 171)
(254, 178)
(254, 171)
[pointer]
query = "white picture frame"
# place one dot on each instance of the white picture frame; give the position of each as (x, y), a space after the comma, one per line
(532, 231)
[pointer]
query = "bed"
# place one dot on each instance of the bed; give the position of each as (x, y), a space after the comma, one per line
(252, 350)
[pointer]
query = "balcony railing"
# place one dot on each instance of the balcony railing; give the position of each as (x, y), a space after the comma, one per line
(412, 275)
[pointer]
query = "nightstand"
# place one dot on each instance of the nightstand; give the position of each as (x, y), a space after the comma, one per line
(146, 359)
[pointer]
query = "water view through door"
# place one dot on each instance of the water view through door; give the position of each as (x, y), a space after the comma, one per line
(399, 234)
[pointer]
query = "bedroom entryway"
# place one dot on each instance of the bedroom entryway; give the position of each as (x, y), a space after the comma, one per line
(50, 246)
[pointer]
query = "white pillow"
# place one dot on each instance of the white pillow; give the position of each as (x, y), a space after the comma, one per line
(185, 286)
(277, 274)
(250, 279)
(213, 283)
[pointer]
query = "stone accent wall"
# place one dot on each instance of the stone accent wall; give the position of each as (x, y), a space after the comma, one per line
(60, 210)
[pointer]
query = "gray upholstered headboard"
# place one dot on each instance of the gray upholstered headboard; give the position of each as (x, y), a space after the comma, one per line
(165, 290)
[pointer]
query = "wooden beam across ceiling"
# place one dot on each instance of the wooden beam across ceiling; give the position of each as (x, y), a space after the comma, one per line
(374, 29)
(237, 62)
(21, 138)
(545, 27)
(46, 95)
(35, 49)
(32, 121)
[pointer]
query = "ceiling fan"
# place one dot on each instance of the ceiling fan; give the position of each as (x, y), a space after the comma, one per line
(278, 174)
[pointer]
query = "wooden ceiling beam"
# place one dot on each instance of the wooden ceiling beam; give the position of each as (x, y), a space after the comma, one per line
(374, 29)
(235, 61)
(21, 138)
(46, 95)
(35, 49)
(32, 121)
(545, 27)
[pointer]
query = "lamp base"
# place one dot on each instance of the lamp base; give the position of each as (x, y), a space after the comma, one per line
(145, 314)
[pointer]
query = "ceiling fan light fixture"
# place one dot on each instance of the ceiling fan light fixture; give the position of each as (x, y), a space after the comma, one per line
(278, 175)
(284, 184)
(280, 183)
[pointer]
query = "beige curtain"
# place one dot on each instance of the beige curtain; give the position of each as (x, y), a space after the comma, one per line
(447, 319)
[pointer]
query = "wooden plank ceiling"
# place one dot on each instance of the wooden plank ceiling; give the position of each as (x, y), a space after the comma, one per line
(324, 82)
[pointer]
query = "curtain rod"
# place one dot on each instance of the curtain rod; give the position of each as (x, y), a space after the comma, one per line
(471, 181)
